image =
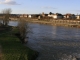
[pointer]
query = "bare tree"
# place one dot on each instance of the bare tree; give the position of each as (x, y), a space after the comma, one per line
(23, 29)
(6, 14)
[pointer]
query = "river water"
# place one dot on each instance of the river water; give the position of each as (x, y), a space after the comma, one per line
(54, 42)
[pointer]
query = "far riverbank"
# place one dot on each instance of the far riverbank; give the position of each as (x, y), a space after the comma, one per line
(67, 23)
(59, 22)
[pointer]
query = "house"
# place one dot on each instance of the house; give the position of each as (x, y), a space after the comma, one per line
(24, 15)
(69, 16)
(73, 16)
(50, 15)
(39, 17)
(33, 16)
(44, 14)
(56, 16)
(29, 16)
(77, 16)
(21, 15)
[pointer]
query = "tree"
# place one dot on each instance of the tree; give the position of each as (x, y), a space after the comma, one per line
(50, 13)
(23, 29)
(6, 14)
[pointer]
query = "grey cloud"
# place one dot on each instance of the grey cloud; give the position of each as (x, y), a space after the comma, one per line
(9, 2)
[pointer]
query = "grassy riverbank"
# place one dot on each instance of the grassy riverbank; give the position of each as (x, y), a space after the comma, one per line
(13, 49)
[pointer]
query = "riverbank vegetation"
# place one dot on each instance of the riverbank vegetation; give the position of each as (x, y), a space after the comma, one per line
(23, 30)
(12, 47)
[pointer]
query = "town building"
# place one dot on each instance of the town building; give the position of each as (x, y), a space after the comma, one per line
(34, 16)
(69, 16)
(24, 15)
(78, 17)
(56, 16)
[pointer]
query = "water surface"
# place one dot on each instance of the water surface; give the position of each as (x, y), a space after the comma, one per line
(54, 43)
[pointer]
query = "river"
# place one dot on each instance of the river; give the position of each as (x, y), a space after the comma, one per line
(54, 42)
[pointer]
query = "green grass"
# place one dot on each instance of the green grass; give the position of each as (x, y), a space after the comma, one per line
(13, 49)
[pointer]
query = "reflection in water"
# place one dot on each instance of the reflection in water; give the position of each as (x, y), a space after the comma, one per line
(55, 43)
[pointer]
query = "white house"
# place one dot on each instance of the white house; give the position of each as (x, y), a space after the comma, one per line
(56, 16)
(50, 15)
(29, 16)
(77, 16)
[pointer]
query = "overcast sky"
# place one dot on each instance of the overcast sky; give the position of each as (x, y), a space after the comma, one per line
(39, 6)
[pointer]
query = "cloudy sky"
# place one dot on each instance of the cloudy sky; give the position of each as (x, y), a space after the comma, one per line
(39, 6)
